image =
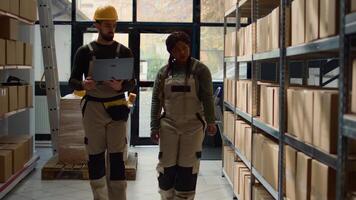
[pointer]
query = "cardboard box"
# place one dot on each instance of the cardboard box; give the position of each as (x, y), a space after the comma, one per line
(237, 133)
(312, 20)
(323, 182)
(270, 96)
(26, 140)
(248, 141)
(298, 22)
(260, 193)
(21, 94)
(275, 28)
(270, 163)
(308, 116)
(263, 103)
(5, 5)
(238, 166)
(28, 61)
(258, 140)
(291, 172)
(353, 95)
(4, 100)
(13, 98)
(9, 29)
(241, 142)
(276, 107)
(5, 165)
(303, 176)
(18, 155)
(233, 93)
(290, 111)
(298, 112)
(15, 7)
(29, 96)
(325, 124)
(247, 187)
(243, 175)
(242, 169)
(329, 18)
(230, 44)
(2, 52)
(249, 97)
(28, 9)
(10, 52)
(20, 53)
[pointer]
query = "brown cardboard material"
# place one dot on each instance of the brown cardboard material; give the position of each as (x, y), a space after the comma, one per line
(233, 93)
(237, 167)
(276, 107)
(329, 18)
(312, 20)
(291, 172)
(325, 125)
(353, 95)
(26, 140)
(20, 53)
(5, 165)
(322, 182)
(5, 5)
(2, 52)
(270, 163)
(290, 111)
(15, 7)
(241, 169)
(13, 103)
(303, 176)
(260, 193)
(237, 133)
(241, 142)
(308, 116)
(298, 119)
(249, 97)
(258, 140)
(4, 100)
(248, 140)
(225, 89)
(10, 52)
(18, 155)
(298, 22)
(269, 116)
(263, 103)
(28, 9)
(21, 94)
(275, 28)
(353, 5)
(247, 187)
(243, 174)
(9, 29)
(29, 96)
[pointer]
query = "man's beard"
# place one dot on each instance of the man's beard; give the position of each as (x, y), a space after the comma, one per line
(107, 38)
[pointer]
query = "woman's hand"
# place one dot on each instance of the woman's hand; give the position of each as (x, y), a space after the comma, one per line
(211, 129)
(155, 136)
(89, 84)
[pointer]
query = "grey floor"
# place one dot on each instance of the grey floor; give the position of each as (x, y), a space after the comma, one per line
(211, 185)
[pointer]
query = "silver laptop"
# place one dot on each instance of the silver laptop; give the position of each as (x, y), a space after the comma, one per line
(113, 69)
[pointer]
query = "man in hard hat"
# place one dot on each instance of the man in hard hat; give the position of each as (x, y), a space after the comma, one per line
(104, 110)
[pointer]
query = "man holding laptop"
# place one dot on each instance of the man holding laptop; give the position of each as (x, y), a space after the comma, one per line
(108, 70)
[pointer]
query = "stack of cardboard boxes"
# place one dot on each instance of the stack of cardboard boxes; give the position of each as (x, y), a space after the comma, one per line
(246, 40)
(269, 105)
(243, 138)
(265, 158)
(229, 91)
(229, 123)
(309, 179)
(242, 181)
(314, 19)
(15, 152)
(229, 159)
(268, 31)
(244, 96)
(13, 98)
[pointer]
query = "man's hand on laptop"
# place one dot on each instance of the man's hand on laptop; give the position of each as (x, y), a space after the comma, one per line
(89, 83)
(114, 84)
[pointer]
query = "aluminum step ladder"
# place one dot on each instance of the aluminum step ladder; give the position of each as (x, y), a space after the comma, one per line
(50, 68)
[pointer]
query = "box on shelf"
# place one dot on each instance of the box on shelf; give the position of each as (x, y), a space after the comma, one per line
(230, 42)
(276, 107)
(325, 124)
(18, 155)
(323, 180)
(248, 141)
(260, 193)
(274, 18)
(5, 165)
(270, 162)
(243, 175)
(4, 100)
(29, 96)
(28, 9)
(291, 172)
(26, 140)
(290, 111)
(5, 5)
(353, 95)
(263, 103)
(329, 18)
(258, 140)
(13, 96)
(303, 176)
(21, 96)
(2, 52)
(312, 20)
(298, 22)
(247, 187)
(10, 28)
(309, 116)
(238, 166)
(15, 7)
(20, 53)
(28, 61)
(249, 97)
(11, 52)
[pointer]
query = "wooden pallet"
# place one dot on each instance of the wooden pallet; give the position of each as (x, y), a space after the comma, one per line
(54, 170)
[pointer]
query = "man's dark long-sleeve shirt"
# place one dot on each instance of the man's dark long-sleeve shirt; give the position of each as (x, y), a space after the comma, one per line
(83, 57)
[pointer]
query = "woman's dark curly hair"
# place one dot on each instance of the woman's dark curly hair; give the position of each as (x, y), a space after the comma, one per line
(171, 41)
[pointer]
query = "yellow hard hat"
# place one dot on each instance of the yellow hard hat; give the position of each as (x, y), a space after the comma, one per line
(105, 13)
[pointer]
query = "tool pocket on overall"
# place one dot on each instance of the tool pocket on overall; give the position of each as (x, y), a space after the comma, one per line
(118, 110)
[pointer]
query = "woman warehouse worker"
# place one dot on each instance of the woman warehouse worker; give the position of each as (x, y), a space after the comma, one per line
(183, 89)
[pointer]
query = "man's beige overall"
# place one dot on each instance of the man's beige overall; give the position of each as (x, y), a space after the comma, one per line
(106, 144)
(181, 138)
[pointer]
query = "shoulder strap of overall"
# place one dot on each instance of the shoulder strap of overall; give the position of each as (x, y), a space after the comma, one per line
(91, 49)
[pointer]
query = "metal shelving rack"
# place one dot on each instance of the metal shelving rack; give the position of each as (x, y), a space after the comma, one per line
(336, 46)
